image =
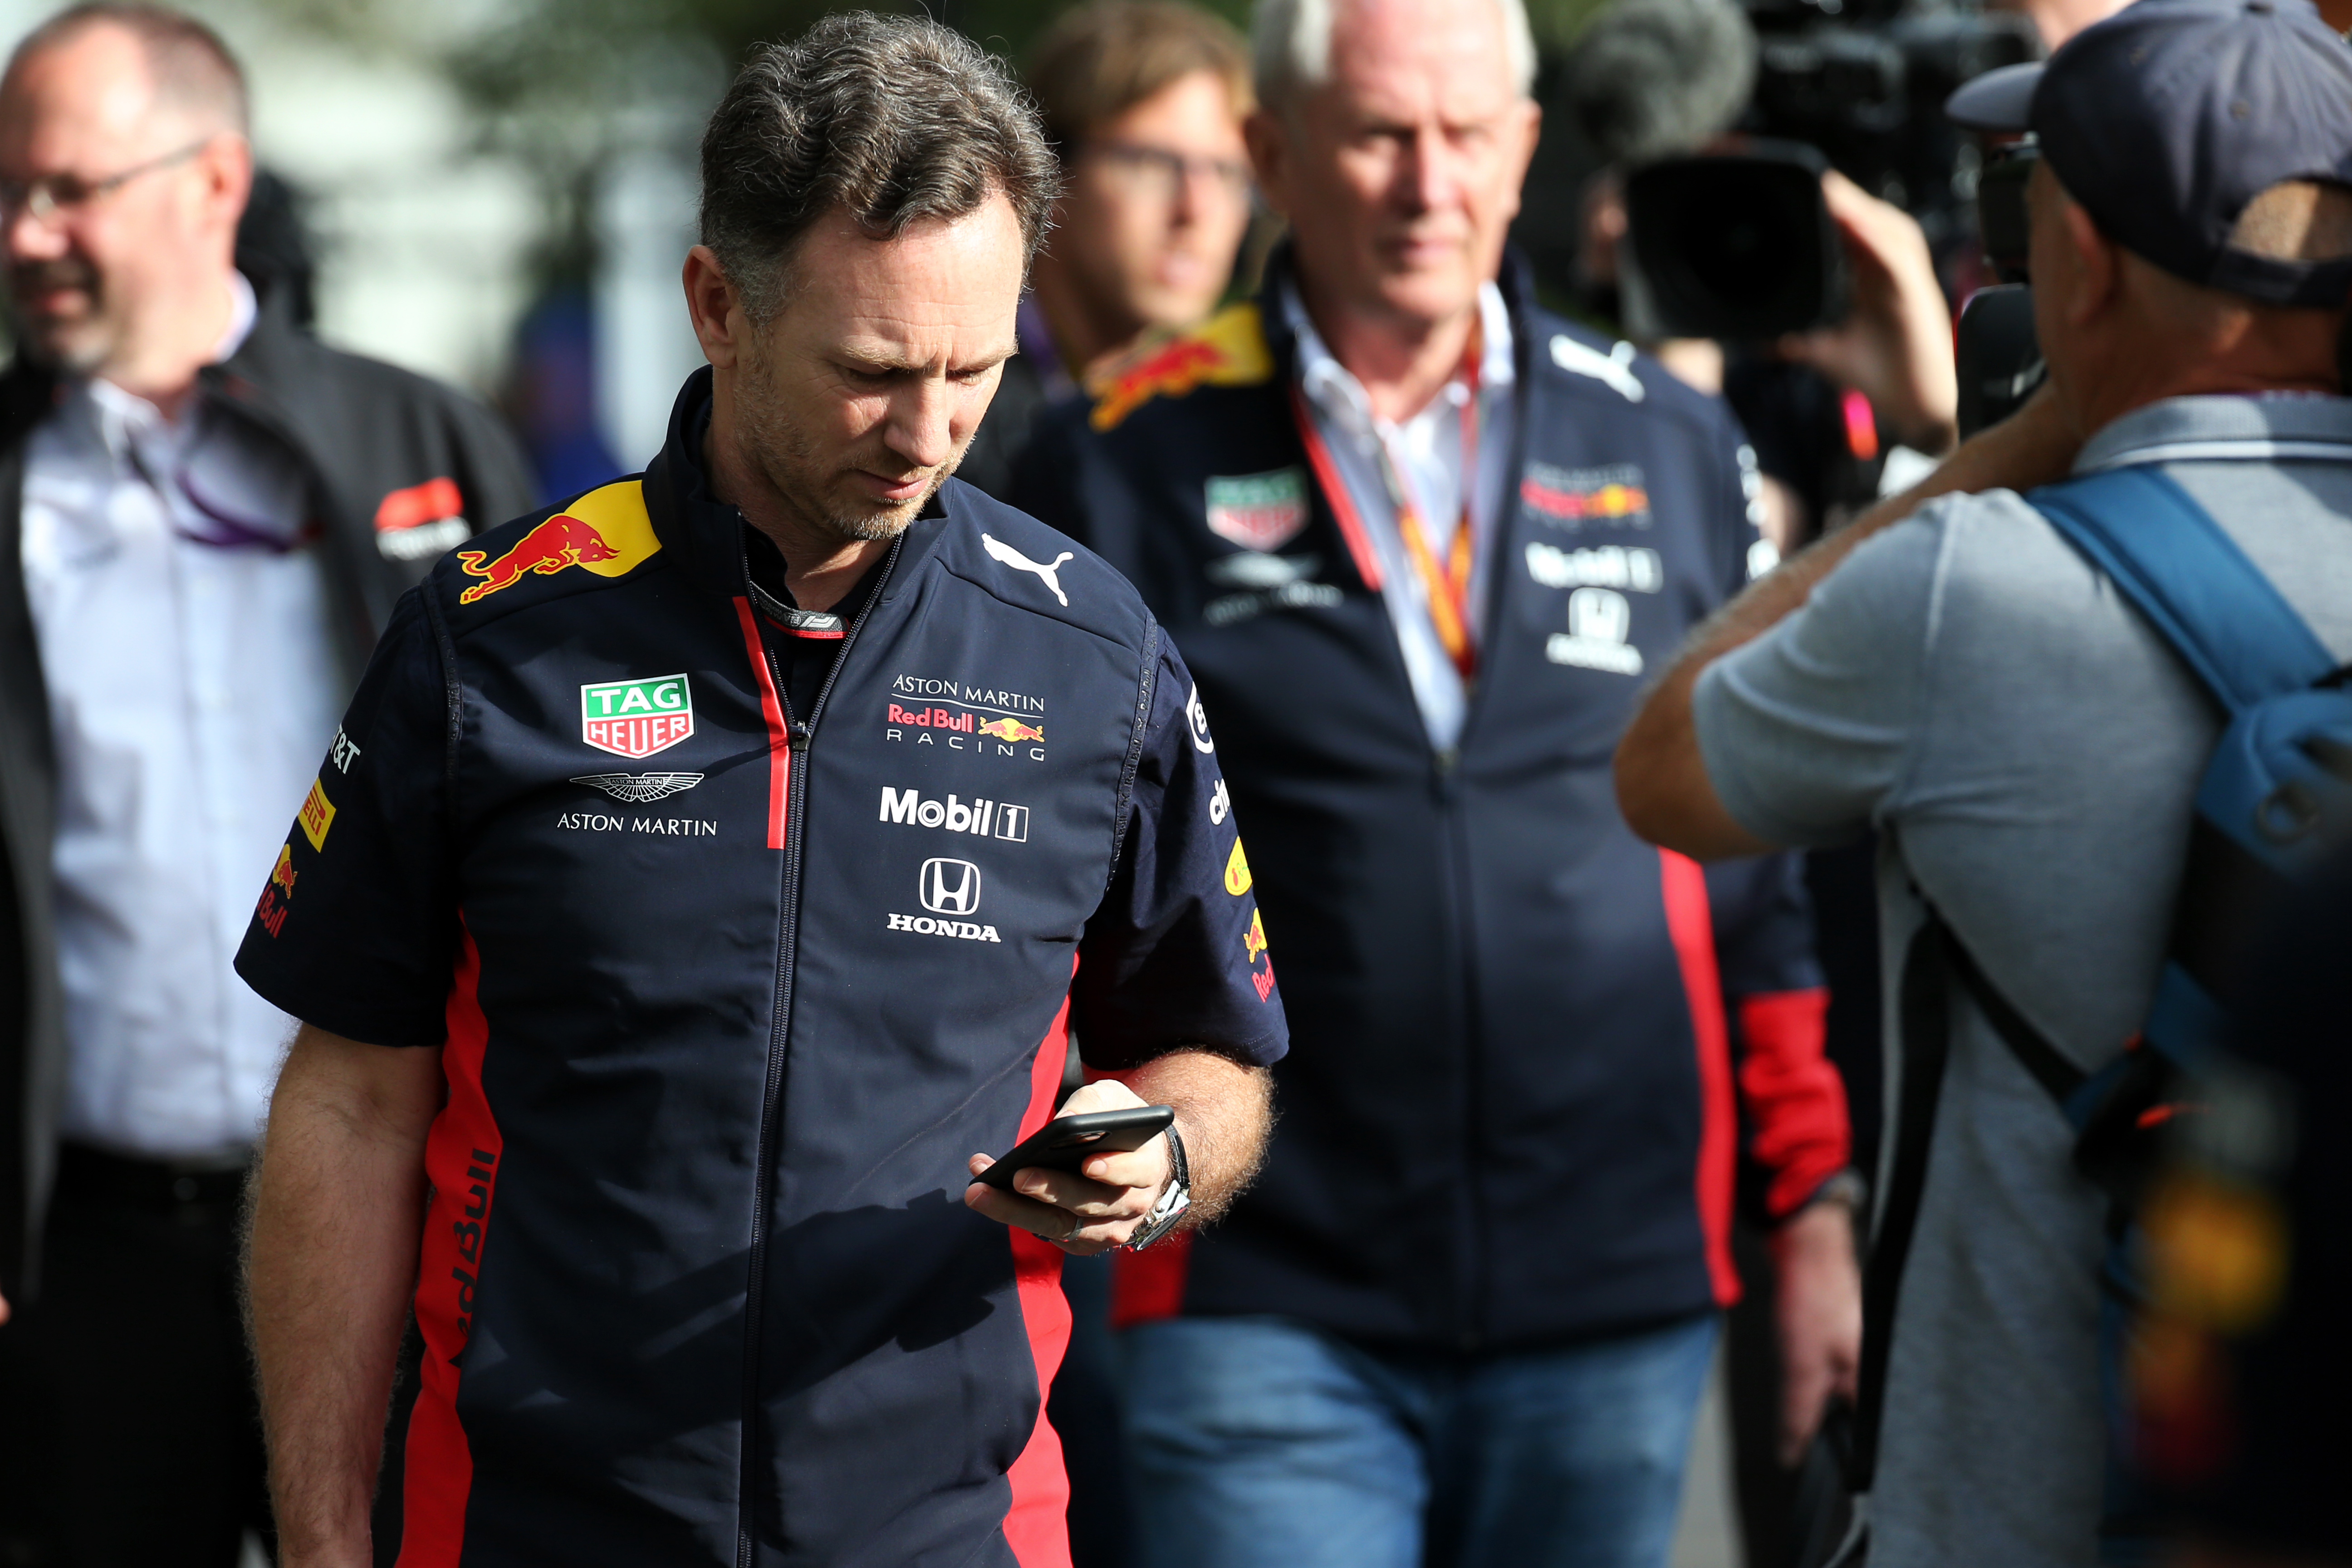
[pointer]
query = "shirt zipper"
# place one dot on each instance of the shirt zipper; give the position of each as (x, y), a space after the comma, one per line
(798, 738)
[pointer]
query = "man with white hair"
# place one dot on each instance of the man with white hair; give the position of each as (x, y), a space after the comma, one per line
(1420, 541)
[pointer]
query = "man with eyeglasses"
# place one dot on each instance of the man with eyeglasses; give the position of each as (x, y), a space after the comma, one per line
(1144, 101)
(207, 517)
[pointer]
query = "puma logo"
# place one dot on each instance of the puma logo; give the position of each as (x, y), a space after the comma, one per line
(1019, 563)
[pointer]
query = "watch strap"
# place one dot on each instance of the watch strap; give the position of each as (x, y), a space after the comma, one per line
(1175, 1199)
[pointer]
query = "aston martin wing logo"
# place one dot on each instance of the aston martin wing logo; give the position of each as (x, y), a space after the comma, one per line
(636, 787)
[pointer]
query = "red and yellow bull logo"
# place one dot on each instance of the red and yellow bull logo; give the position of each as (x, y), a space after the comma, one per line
(1011, 729)
(270, 910)
(606, 531)
(1227, 350)
(1254, 939)
(1585, 495)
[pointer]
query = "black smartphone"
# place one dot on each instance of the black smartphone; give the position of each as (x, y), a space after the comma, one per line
(1062, 1142)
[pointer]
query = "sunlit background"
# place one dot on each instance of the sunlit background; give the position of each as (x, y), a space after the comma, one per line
(499, 192)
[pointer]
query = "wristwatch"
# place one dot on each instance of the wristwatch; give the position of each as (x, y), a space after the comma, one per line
(1175, 1198)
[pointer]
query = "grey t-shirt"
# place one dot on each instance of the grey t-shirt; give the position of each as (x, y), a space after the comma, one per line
(1972, 687)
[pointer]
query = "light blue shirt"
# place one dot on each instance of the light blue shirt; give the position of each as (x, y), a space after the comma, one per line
(1427, 449)
(192, 689)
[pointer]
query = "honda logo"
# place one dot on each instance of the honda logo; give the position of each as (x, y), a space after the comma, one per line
(950, 887)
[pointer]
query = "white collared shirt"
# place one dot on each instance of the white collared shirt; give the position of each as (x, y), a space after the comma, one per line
(192, 689)
(1427, 449)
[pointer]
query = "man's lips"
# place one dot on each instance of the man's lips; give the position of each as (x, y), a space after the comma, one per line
(894, 489)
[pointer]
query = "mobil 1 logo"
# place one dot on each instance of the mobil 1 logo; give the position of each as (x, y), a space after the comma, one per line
(980, 818)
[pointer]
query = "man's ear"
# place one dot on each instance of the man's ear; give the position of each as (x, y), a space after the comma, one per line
(1528, 122)
(714, 308)
(227, 163)
(2098, 264)
(1269, 149)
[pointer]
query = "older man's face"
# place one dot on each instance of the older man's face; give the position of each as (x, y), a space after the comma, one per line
(858, 398)
(89, 281)
(1400, 173)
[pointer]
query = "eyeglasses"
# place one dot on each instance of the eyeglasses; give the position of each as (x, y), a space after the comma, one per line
(50, 195)
(1165, 173)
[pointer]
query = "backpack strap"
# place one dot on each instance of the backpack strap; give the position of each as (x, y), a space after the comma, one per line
(2189, 577)
(1935, 959)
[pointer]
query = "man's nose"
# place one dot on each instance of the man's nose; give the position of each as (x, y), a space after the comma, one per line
(1428, 179)
(919, 423)
(27, 239)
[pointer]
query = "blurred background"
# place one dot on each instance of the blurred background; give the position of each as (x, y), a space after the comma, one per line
(499, 192)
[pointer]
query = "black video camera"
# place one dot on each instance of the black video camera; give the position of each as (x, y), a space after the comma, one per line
(1740, 244)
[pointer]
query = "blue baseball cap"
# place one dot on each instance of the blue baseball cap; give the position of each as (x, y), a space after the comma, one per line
(2164, 121)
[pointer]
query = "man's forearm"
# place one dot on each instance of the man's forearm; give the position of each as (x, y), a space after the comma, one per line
(332, 1260)
(1662, 784)
(1223, 1111)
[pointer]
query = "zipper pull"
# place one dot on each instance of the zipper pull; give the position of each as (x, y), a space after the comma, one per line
(796, 735)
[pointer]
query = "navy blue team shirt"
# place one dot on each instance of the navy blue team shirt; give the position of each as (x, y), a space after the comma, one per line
(1535, 1060)
(728, 981)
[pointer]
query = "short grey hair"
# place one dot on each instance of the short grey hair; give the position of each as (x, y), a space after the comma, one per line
(1290, 44)
(895, 118)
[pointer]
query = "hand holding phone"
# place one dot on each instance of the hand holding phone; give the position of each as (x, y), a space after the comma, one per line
(1093, 1175)
(1063, 1144)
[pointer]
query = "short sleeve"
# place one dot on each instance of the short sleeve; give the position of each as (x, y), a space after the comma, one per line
(1175, 957)
(1806, 731)
(356, 930)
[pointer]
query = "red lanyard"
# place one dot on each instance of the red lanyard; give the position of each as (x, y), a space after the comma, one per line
(1447, 587)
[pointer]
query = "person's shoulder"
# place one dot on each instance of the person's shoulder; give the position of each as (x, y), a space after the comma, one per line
(592, 542)
(308, 368)
(1030, 567)
(1227, 351)
(1610, 378)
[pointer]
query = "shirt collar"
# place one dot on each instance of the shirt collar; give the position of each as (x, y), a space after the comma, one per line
(1339, 396)
(2222, 426)
(244, 309)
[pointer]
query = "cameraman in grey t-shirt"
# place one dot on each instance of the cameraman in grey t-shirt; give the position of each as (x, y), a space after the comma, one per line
(1949, 671)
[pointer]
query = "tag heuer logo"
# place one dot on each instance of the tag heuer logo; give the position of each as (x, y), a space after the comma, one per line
(637, 718)
(1258, 512)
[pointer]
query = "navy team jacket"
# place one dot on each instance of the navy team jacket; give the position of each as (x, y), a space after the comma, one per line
(726, 994)
(1528, 1049)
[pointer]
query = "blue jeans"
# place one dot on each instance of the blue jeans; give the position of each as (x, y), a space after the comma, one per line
(1265, 1443)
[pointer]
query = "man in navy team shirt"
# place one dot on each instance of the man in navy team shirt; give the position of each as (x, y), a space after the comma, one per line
(704, 871)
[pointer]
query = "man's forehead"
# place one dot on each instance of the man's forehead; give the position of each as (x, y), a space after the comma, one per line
(1397, 55)
(92, 87)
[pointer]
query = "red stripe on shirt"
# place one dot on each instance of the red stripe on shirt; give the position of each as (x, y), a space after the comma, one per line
(771, 707)
(1795, 1099)
(1149, 1285)
(1036, 1524)
(1691, 925)
(461, 1163)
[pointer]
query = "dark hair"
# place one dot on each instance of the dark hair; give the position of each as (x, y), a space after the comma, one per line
(895, 117)
(1103, 58)
(189, 65)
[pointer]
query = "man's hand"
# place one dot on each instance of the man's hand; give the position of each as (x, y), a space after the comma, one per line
(1090, 1210)
(1223, 1111)
(1894, 347)
(1819, 1312)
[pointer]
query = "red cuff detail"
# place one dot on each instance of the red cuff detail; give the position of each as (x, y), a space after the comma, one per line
(1795, 1099)
(1150, 1284)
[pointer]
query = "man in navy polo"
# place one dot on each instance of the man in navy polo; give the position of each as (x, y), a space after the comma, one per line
(704, 872)
(1422, 542)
